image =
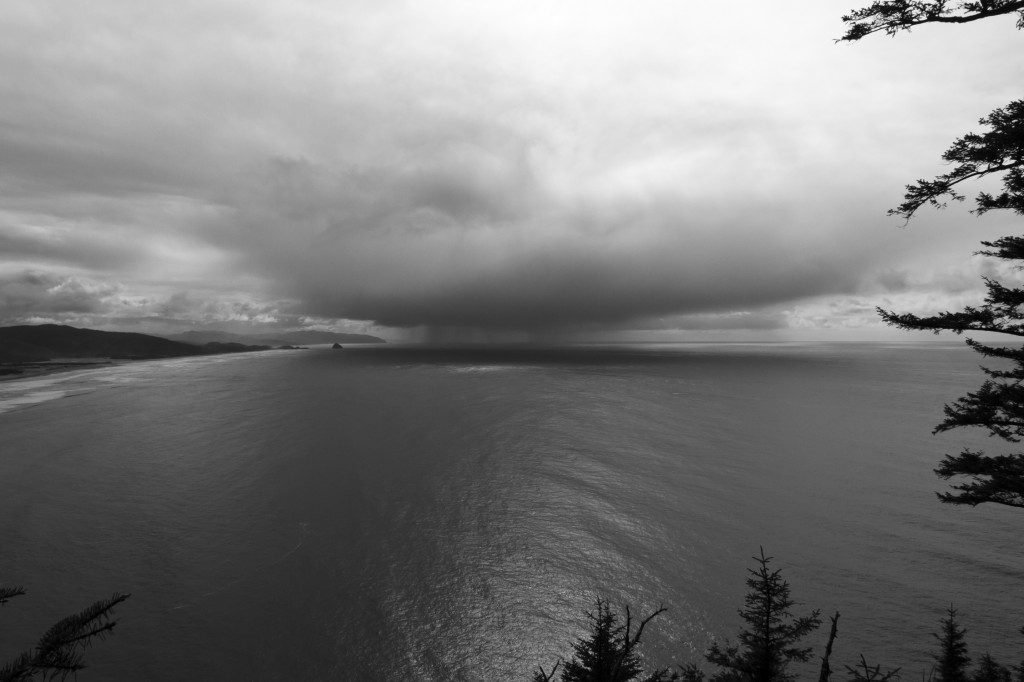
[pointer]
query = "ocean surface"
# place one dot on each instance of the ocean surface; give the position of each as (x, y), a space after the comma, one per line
(419, 514)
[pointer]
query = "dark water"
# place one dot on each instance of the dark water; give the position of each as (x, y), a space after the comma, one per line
(402, 514)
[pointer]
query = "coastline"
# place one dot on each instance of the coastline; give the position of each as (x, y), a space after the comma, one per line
(32, 370)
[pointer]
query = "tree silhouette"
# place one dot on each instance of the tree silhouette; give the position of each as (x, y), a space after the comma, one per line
(768, 644)
(989, 670)
(902, 15)
(58, 653)
(825, 674)
(610, 653)
(974, 156)
(952, 659)
(998, 405)
(863, 672)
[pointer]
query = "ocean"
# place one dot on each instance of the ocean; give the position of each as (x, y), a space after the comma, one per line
(425, 514)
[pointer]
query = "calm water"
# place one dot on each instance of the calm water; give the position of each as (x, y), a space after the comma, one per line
(402, 514)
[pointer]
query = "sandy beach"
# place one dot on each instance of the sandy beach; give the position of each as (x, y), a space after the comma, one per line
(27, 370)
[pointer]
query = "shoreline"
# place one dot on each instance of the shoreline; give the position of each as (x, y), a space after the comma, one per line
(34, 370)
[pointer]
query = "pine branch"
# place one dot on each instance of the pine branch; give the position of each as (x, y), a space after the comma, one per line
(58, 652)
(969, 319)
(902, 15)
(544, 676)
(998, 479)
(998, 150)
(1000, 313)
(867, 673)
(998, 407)
(6, 593)
(1005, 248)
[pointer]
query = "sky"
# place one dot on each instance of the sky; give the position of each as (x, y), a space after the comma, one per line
(485, 169)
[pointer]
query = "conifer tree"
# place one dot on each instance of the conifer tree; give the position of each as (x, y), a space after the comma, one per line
(769, 643)
(58, 653)
(951, 660)
(989, 670)
(998, 405)
(610, 653)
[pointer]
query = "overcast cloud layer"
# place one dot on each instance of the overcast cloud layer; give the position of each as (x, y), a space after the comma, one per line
(506, 167)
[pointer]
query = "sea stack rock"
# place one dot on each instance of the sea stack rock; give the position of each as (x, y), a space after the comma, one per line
(337, 346)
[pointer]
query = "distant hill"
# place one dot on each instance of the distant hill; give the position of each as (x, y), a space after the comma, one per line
(33, 343)
(282, 339)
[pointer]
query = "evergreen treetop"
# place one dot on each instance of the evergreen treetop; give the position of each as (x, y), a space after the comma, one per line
(989, 670)
(769, 643)
(952, 660)
(610, 653)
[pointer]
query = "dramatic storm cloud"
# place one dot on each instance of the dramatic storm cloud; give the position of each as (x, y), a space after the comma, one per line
(495, 166)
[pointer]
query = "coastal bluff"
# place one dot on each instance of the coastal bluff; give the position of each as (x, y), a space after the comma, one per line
(45, 342)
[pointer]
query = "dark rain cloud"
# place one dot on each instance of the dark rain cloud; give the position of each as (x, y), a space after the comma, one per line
(442, 245)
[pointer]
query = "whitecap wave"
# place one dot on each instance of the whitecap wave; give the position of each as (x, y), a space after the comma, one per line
(8, 403)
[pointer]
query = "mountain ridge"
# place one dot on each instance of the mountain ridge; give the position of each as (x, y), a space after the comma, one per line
(43, 342)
